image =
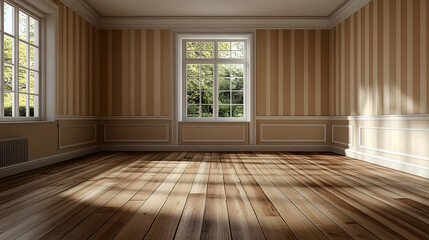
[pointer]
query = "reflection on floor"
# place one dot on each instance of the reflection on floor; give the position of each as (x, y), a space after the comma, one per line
(204, 195)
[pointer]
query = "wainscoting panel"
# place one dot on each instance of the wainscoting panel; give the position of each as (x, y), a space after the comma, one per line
(73, 135)
(136, 131)
(213, 133)
(342, 135)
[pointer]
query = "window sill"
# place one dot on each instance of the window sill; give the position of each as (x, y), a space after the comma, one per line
(25, 122)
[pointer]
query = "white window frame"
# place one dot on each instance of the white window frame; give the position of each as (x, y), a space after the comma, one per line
(181, 74)
(47, 14)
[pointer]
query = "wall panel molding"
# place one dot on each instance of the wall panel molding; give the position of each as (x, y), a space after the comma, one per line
(164, 140)
(80, 143)
(225, 140)
(261, 132)
(350, 137)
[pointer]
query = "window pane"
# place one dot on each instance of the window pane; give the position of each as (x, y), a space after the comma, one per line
(207, 70)
(34, 31)
(193, 84)
(237, 97)
(193, 70)
(237, 54)
(8, 49)
(23, 54)
(224, 70)
(34, 58)
(224, 54)
(34, 106)
(8, 104)
(34, 82)
(238, 111)
(193, 97)
(237, 83)
(237, 46)
(207, 111)
(9, 13)
(224, 111)
(22, 105)
(237, 70)
(193, 111)
(206, 97)
(22, 80)
(23, 26)
(224, 46)
(224, 83)
(193, 46)
(224, 97)
(193, 54)
(207, 46)
(207, 54)
(207, 83)
(8, 77)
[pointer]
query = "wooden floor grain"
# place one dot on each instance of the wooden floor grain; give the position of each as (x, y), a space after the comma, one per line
(212, 195)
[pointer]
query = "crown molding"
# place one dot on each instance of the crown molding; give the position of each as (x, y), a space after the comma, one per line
(101, 22)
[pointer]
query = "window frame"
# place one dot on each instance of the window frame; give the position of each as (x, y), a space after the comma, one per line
(183, 61)
(33, 13)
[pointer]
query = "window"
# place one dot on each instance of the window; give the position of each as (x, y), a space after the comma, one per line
(214, 75)
(20, 48)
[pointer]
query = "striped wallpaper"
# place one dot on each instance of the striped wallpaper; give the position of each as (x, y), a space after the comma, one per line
(79, 73)
(380, 60)
(292, 72)
(137, 73)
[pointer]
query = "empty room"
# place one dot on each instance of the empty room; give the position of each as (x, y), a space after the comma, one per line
(198, 119)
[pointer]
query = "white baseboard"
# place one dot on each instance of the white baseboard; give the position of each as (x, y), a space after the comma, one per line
(218, 148)
(416, 169)
(45, 161)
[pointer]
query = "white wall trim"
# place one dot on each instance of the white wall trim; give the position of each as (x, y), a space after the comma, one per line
(261, 133)
(242, 140)
(309, 118)
(321, 22)
(60, 146)
(45, 161)
(388, 151)
(407, 117)
(339, 142)
(416, 169)
(157, 118)
(134, 140)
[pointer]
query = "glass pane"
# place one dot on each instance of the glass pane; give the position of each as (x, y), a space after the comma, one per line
(224, 97)
(237, 83)
(193, 54)
(34, 82)
(224, 54)
(193, 46)
(31, 105)
(34, 58)
(237, 97)
(23, 26)
(193, 97)
(207, 54)
(22, 105)
(22, 80)
(237, 46)
(207, 83)
(223, 70)
(238, 111)
(8, 49)
(8, 77)
(9, 13)
(193, 111)
(193, 70)
(8, 104)
(207, 70)
(207, 111)
(224, 84)
(206, 97)
(207, 46)
(237, 70)
(34, 31)
(193, 84)
(23, 54)
(224, 110)
(237, 54)
(224, 46)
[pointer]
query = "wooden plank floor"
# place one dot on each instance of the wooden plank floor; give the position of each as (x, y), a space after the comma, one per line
(210, 195)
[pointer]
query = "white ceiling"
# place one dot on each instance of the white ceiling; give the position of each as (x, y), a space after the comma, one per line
(216, 8)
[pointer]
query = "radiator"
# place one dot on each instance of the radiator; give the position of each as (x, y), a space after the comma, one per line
(13, 151)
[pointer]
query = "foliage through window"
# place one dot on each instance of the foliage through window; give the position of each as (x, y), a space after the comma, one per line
(19, 88)
(214, 73)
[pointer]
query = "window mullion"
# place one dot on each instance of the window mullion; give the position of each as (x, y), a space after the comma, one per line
(16, 68)
(2, 60)
(215, 83)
